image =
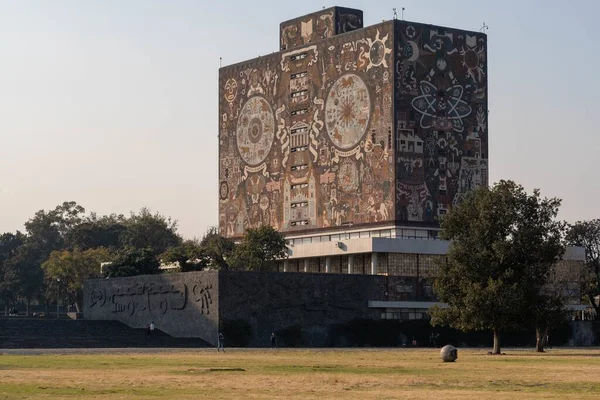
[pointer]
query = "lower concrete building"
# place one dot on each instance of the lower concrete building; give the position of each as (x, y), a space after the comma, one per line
(409, 254)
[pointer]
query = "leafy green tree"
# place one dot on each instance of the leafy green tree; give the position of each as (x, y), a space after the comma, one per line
(587, 235)
(148, 231)
(131, 261)
(25, 272)
(46, 232)
(189, 255)
(93, 232)
(9, 244)
(66, 271)
(217, 249)
(259, 250)
(503, 245)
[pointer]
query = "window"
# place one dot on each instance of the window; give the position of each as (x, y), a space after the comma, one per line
(300, 223)
(300, 111)
(299, 75)
(301, 148)
(301, 204)
(298, 56)
(299, 130)
(300, 186)
(299, 93)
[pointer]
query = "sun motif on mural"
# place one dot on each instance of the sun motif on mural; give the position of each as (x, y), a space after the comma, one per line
(473, 55)
(347, 111)
(255, 130)
(231, 90)
(441, 109)
(378, 51)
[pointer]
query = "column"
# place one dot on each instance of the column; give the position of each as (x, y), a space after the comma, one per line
(286, 266)
(373, 263)
(327, 265)
(306, 261)
(350, 264)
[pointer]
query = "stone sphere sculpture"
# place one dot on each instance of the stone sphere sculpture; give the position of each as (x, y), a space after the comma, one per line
(449, 353)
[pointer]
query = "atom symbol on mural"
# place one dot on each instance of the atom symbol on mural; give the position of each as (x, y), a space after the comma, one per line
(445, 105)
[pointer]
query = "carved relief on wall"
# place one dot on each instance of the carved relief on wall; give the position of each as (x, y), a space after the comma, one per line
(151, 299)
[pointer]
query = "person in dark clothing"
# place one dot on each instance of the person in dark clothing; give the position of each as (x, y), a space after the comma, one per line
(148, 331)
(273, 341)
(221, 342)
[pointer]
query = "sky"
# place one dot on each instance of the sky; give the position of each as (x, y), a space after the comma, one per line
(113, 104)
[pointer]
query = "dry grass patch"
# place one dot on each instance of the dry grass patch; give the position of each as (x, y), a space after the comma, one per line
(302, 374)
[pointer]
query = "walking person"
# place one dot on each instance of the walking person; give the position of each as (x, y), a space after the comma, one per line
(221, 342)
(273, 341)
(151, 328)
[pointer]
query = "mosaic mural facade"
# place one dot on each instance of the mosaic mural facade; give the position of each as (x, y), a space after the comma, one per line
(318, 26)
(384, 124)
(441, 119)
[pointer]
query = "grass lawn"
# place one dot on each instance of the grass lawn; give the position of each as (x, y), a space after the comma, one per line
(302, 374)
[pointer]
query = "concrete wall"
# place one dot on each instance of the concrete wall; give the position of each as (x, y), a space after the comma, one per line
(182, 305)
(309, 304)
(246, 306)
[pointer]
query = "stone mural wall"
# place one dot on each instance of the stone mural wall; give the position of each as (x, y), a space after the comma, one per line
(310, 303)
(182, 305)
(441, 119)
(306, 136)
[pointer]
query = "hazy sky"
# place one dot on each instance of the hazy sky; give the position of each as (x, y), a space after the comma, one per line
(113, 104)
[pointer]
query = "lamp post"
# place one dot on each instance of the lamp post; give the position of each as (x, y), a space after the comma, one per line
(57, 295)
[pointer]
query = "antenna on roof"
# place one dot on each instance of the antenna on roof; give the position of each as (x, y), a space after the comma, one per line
(395, 14)
(484, 28)
(402, 13)
(220, 62)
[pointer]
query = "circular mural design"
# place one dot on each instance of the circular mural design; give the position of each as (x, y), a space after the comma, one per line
(231, 90)
(471, 59)
(347, 111)
(377, 52)
(255, 130)
(223, 190)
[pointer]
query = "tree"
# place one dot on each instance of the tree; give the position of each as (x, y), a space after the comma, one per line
(189, 255)
(46, 232)
(131, 261)
(26, 272)
(503, 245)
(93, 232)
(259, 250)
(49, 229)
(587, 235)
(217, 249)
(9, 244)
(149, 231)
(66, 271)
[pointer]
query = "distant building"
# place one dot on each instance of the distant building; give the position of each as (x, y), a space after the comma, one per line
(352, 140)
